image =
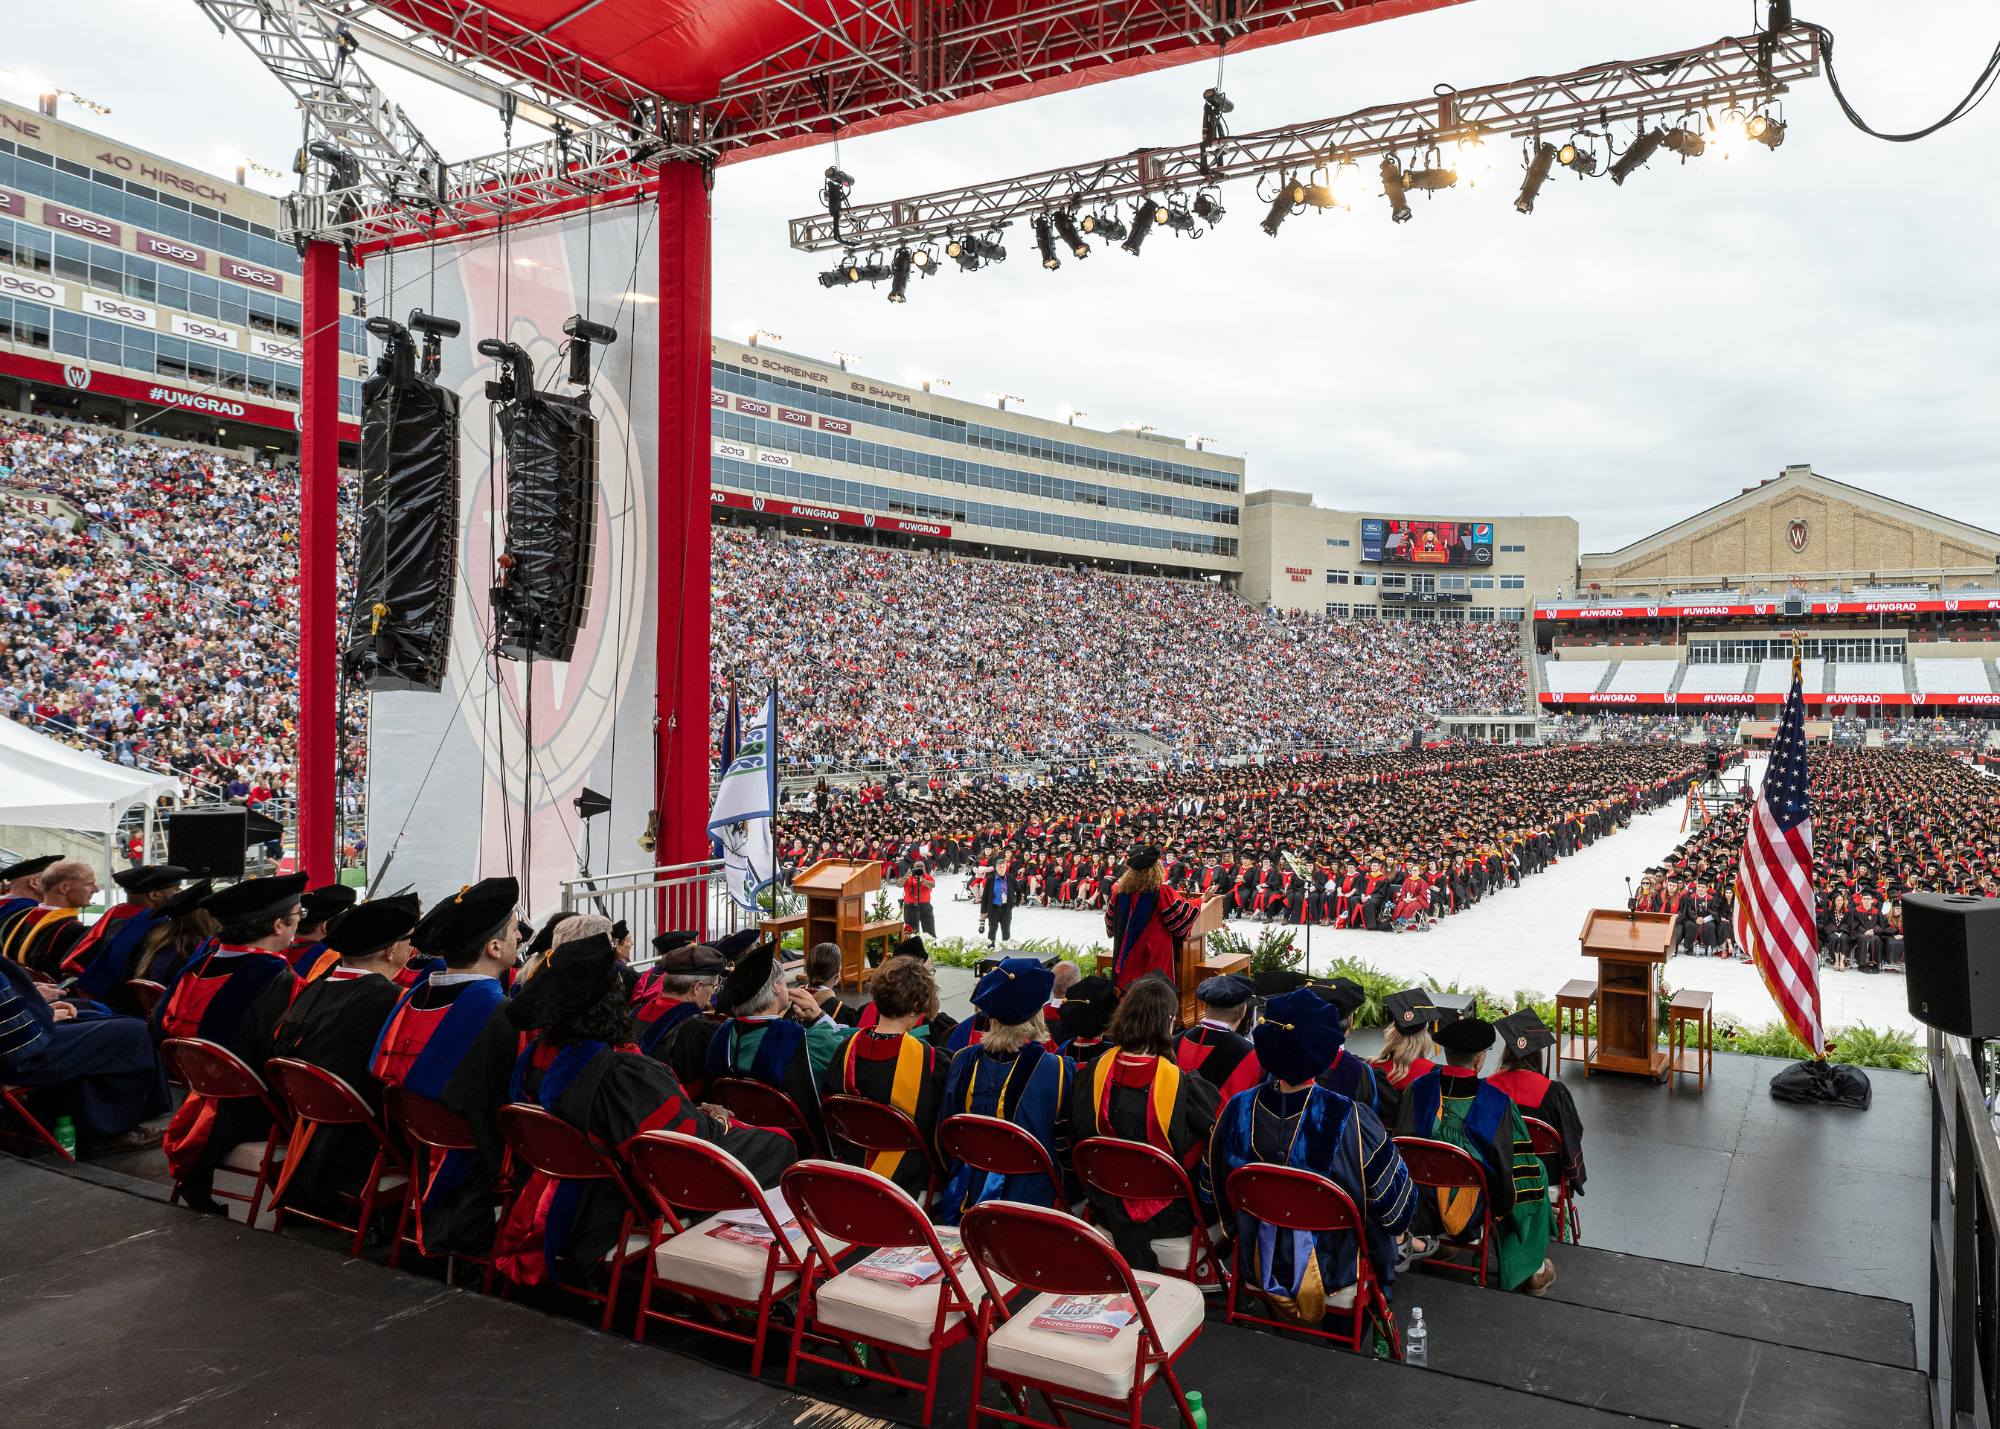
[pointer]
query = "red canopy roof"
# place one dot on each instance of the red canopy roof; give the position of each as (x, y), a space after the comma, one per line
(777, 74)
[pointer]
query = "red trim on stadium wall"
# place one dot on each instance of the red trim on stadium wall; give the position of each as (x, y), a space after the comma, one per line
(1746, 701)
(778, 506)
(77, 377)
(1776, 608)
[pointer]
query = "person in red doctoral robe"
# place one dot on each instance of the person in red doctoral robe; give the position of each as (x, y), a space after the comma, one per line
(1145, 919)
(1216, 1048)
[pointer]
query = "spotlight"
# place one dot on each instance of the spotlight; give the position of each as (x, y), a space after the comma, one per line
(1291, 193)
(1538, 174)
(1579, 161)
(580, 331)
(1685, 142)
(1429, 179)
(1045, 243)
(925, 260)
(971, 252)
(1108, 226)
(899, 282)
(1765, 130)
(834, 195)
(1208, 208)
(1641, 150)
(869, 272)
(834, 278)
(1066, 230)
(1143, 218)
(1317, 194)
(1392, 187)
(1176, 218)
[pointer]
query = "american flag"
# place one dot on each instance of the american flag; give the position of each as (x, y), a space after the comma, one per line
(1774, 892)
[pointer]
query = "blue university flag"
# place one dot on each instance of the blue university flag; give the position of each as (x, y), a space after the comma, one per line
(745, 803)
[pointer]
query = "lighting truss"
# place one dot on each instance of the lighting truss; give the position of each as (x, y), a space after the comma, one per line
(1731, 73)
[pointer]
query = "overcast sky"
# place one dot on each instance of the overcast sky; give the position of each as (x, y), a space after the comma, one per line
(1626, 356)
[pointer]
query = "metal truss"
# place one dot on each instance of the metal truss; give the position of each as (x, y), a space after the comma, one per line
(1736, 72)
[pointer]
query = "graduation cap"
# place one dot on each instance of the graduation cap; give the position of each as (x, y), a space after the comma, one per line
(750, 976)
(1465, 1036)
(1410, 1009)
(1343, 992)
(470, 917)
(1014, 991)
(27, 867)
(149, 877)
(1087, 1010)
(1524, 1033)
(1299, 1036)
(187, 900)
(367, 928)
(575, 976)
(256, 898)
(1226, 990)
(320, 904)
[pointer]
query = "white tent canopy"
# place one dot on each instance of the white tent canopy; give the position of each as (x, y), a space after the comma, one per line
(45, 784)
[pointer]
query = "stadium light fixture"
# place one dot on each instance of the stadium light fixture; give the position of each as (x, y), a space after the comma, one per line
(1765, 130)
(1683, 141)
(1045, 242)
(1208, 208)
(1634, 158)
(1176, 218)
(1538, 174)
(1429, 180)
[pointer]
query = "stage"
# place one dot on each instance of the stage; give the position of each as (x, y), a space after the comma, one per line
(1746, 1263)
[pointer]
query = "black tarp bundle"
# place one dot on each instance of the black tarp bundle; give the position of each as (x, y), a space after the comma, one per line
(1823, 1084)
(399, 635)
(551, 523)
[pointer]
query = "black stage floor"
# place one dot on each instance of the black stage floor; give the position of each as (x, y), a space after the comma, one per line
(1748, 1264)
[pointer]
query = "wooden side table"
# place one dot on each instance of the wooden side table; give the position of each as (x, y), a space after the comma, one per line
(1573, 1009)
(1691, 1012)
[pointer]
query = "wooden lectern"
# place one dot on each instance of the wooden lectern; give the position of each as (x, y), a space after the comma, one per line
(1629, 948)
(836, 892)
(1193, 966)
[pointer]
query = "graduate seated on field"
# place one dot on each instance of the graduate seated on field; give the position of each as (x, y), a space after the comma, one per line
(1215, 1047)
(1136, 1092)
(1086, 1013)
(1524, 1041)
(582, 1068)
(83, 1062)
(1407, 1050)
(1291, 1120)
(449, 1039)
(762, 1042)
(893, 1062)
(333, 1024)
(1450, 1103)
(1014, 1075)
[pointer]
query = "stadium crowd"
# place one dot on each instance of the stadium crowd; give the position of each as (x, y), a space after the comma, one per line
(895, 658)
(165, 630)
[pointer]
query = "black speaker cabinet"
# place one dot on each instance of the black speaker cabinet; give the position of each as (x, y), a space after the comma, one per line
(1952, 953)
(208, 843)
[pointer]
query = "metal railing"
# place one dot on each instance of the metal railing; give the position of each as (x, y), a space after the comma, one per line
(1965, 1243)
(658, 900)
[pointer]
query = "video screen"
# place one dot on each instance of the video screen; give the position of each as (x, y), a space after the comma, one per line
(1427, 543)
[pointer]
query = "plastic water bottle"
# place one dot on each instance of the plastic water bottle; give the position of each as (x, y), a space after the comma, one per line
(1417, 1340)
(1196, 1410)
(66, 1134)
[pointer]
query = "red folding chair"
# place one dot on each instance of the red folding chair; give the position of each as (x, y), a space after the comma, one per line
(1136, 1170)
(1295, 1200)
(550, 1145)
(146, 994)
(319, 1098)
(883, 1129)
(14, 1099)
(434, 1133)
(759, 1105)
(987, 1143)
(1441, 1167)
(1055, 1255)
(1548, 1145)
(847, 1206)
(211, 1070)
(682, 1173)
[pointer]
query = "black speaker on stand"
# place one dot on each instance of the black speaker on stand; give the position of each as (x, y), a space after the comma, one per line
(1951, 954)
(208, 843)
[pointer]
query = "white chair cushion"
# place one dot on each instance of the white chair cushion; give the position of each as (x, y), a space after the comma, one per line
(247, 1156)
(1082, 1362)
(695, 1260)
(634, 1243)
(1173, 1254)
(899, 1314)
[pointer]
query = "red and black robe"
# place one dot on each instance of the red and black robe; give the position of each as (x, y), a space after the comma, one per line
(898, 1070)
(1550, 1102)
(1146, 1099)
(1222, 1056)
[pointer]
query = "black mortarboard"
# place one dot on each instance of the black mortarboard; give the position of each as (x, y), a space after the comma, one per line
(545, 939)
(1465, 1036)
(736, 944)
(1087, 1009)
(690, 960)
(664, 943)
(469, 917)
(750, 976)
(913, 947)
(256, 898)
(1277, 982)
(367, 928)
(187, 900)
(29, 866)
(320, 904)
(149, 877)
(1228, 990)
(1141, 859)
(1343, 992)
(1410, 1009)
(1524, 1033)
(573, 977)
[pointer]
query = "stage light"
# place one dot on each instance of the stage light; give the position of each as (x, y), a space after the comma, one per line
(1538, 174)
(924, 260)
(1392, 187)
(1176, 218)
(1108, 226)
(1208, 208)
(1766, 131)
(899, 281)
(1685, 142)
(1066, 230)
(869, 272)
(1291, 193)
(1143, 218)
(1319, 195)
(834, 195)
(1429, 180)
(834, 278)
(971, 252)
(1578, 161)
(1045, 242)
(1641, 150)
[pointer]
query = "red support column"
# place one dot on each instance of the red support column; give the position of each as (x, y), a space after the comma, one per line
(319, 562)
(680, 769)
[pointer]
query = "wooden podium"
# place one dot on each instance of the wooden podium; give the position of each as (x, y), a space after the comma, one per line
(1193, 966)
(836, 892)
(1629, 949)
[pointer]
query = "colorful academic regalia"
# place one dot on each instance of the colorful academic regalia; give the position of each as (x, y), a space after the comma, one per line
(1146, 1099)
(779, 1053)
(1389, 1085)
(1224, 1057)
(310, 958)
(1549, 1102)
(1030, 1088)
(902, 1070)
(1452, 1104)
(103, 964)
(98, 1069)
(1312, 1129)
(1354, 1079)
(676, 1032)
(226, 996)
(41, 938)
(115, 918)
(1145, 929)
(449, 1039)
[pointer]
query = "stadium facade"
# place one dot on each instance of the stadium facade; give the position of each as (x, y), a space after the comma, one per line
(144, 292)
